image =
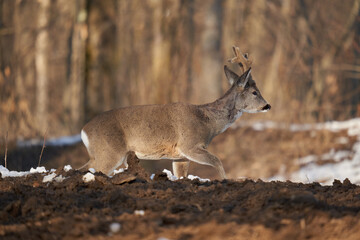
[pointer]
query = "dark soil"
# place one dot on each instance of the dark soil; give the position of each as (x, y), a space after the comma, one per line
(184, 209)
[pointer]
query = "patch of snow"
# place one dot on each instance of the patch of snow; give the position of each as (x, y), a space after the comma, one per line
(67, 168)
(356, 149)
(49, 178)
(6, 173)
(61, 141)
(299, 127)
(162, 238)
(59, 178)
(139, 212)
(120, 170)
(115, 227)
(64, 141)
(346, 163)
(152, 176)
(277, 177)
(307, 159)
(326, 173)
(260, 126)
(170, 176)
(336, 156)
(88, 177)
(342, 140)
(92, 170)
(352, 125)
(192, 177)
(38, 170)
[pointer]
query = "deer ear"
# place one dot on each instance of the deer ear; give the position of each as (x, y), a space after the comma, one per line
(244, 78)
(230, 75)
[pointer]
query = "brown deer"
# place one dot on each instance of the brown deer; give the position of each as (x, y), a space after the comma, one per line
(180, 132)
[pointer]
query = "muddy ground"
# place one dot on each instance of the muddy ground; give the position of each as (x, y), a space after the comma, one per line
(106, 208)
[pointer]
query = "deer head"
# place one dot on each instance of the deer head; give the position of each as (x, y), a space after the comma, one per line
(247, 96)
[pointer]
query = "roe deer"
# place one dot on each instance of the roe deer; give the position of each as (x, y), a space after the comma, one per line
(179, 132)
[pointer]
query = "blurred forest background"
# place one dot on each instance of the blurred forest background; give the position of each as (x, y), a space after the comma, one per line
(62, 62)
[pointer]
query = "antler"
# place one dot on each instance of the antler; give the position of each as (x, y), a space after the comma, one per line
(242, 59)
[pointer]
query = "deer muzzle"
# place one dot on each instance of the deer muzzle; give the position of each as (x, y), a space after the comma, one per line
(266, 107)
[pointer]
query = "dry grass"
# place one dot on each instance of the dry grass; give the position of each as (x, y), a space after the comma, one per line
(6, 148)
(43, 147)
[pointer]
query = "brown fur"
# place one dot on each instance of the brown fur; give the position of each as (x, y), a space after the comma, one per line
(178, 131)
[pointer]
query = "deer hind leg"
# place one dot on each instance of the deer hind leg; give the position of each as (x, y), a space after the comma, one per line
(180, 167)
(202, 156)
(107, 161)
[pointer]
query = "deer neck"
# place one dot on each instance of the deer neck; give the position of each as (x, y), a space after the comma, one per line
(223, 112)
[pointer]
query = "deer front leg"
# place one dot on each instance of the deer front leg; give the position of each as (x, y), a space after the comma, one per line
(180, 167)
(202, 156)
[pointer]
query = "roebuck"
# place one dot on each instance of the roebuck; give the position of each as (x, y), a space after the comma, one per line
(179, 132)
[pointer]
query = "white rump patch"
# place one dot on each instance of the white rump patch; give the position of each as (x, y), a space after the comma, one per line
(59, 178)
(85, 139)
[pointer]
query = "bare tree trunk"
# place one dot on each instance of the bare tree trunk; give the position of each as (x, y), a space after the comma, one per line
(77, 76)
(24, 70)
(322, 66)
(135, 54)
(160, 56)
(41, 64)
(182, 47)
(272, 82)
(7, 83)
(208, 79)
(101, 56)
(255, 28)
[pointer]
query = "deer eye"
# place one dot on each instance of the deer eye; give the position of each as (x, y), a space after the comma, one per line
(254, 93)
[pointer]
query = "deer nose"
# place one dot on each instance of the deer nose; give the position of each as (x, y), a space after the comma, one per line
(267, 107)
